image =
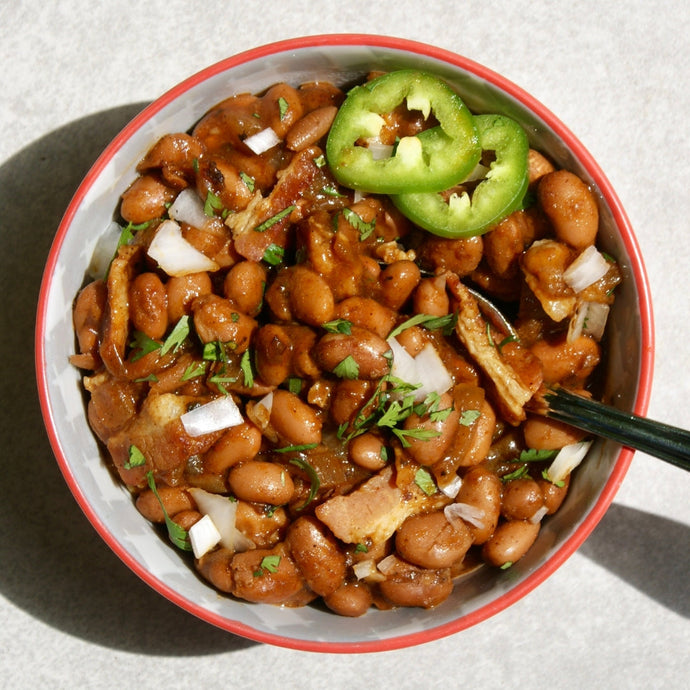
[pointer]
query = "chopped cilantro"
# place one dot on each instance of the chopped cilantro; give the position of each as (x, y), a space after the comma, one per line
(364, 228)
(273, 254)
(283, 107)
(248, 181)
(315, 482)
(136, 458)
(468, 417)
(246, 369)
(270, 222)
(338, 326)
(425, 481)
(178, 536)
(347, 368)
(193, 370)
(177, 335)
(534, 455)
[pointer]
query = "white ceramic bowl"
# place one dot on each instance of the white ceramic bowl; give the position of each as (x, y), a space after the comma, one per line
(341, 59)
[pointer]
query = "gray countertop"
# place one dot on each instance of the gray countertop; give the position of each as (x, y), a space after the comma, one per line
(73, 73)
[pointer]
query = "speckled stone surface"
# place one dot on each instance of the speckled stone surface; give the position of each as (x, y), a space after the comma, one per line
(73, 73)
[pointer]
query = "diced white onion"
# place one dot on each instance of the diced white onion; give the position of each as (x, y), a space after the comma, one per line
(589, 319)
(587, 268)
(453, 488)
(403, 366)
(223, 512)
(105, 249)
(378, 150)
(387, 564)
(203, 536)
(359, 195)
(262, 141)
(541, 512)
(432, 372)
(266, 402)
(456, 512)
(426, 369)
(568, 458)
(478, 173)
(364, 569)
(175, 255)
(188, 208)
(220, 413)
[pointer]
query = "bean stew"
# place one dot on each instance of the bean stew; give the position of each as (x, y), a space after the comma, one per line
(288, 371)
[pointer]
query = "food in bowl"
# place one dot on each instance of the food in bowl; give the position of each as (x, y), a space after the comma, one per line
(287, 369)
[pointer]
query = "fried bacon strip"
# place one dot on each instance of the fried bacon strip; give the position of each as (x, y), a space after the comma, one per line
(511, 391)
(294, 181)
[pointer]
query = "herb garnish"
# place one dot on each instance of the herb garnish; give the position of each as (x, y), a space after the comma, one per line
(270, 222)
(178, 536)
(363, 227)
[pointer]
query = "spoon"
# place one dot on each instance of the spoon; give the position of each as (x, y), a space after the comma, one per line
(658, 439)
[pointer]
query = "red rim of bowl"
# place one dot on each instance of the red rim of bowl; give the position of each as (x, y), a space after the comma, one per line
(638, 274)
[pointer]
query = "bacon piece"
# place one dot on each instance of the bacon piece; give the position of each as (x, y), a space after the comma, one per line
(294, 181)
(511, 392)
(373, 511)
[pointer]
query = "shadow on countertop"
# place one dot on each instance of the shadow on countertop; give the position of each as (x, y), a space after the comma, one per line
(55, 567)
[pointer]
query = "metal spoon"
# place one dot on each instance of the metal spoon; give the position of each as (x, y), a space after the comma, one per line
(658, 439)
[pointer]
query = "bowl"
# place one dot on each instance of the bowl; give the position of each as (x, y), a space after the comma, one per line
(342, 59)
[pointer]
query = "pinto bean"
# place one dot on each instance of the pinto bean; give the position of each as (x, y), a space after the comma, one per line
(554, 495)
(272, 354)
(367, 451)
(174, 155)
(398, 280)
(461, 256)
(186, 519)
(222, 179)
(430, 541)
(481, 488)
(427, 451)
(367, 313)
(352, 599)
(244, 286)
(310, 128)
(564, 362)
(348, 398)
(310, 296)
(570, 206)
(175, 500)
(88, 314)
(295, 422)
(148, 305)
(317, 555)
(254, 582)
(266, 528)
(261, 482)
(408, 585)
(216, 567)
(146, 199)
(367, 349)
(522, 498)
(538, 165)
(215, 318)
(182, 290)
(431, 297)
(543, 433)
(238, 444)
(281, 108)
(510, 542)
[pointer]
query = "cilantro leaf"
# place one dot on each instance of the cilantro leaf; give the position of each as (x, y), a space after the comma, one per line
(425, 481)
(315, 482)
(363, 227)
(177, 335)
(347, 368)
(338, 326)
(246, 369)
(178, 536)
(270, 222)
(273, 254)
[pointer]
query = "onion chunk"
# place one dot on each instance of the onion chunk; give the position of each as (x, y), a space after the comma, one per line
(220, 413)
